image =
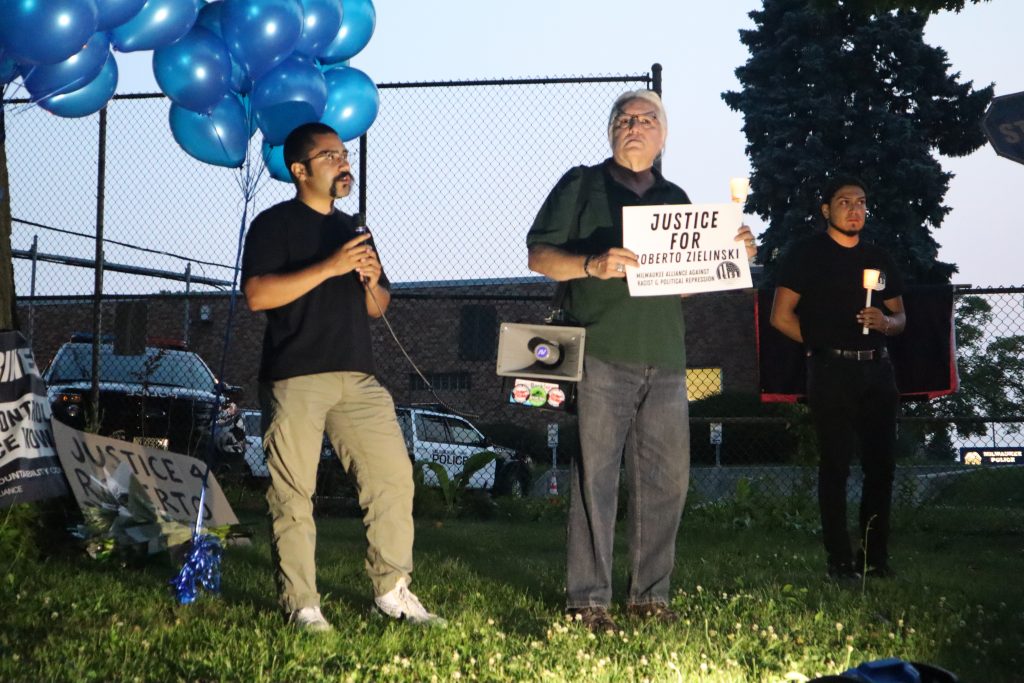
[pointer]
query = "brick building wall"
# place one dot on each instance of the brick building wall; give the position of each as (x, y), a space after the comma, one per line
(436, 324)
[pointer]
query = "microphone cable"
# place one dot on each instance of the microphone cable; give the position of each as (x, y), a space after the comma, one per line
(412, 363)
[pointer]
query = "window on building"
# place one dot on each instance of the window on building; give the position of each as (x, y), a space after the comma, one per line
(441, 381)
(703, 382)
(478, 332)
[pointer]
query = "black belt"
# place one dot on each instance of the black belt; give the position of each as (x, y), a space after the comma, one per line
(864, 354)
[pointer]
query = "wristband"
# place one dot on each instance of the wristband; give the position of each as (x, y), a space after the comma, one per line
(586, 265)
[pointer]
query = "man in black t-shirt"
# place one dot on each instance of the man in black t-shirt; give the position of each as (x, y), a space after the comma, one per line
(851, 388)
(320, 282)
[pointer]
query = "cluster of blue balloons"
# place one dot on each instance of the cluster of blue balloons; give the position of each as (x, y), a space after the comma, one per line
(229, 67)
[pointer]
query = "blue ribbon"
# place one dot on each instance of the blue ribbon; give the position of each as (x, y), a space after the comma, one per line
(201, 568)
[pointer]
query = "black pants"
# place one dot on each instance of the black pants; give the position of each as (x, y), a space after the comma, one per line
(853, 403)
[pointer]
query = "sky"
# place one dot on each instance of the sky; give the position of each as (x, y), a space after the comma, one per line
(698, 45)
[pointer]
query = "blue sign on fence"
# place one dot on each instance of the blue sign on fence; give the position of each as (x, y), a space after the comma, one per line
(992, 456)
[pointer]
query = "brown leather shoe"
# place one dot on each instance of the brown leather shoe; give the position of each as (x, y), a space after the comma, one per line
(656, 611)
(596, 619)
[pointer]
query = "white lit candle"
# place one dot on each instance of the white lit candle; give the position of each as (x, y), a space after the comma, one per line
(871, 277)
(738, 189)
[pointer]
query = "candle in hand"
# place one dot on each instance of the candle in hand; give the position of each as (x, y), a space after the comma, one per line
(871, 277)
(738, 189)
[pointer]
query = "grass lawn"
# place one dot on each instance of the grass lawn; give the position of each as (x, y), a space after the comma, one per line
(755, 603)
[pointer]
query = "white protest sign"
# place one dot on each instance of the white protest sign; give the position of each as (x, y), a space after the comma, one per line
(684, 249)
(172, 482)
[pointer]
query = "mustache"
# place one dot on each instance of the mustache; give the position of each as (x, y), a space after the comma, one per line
(344, 175)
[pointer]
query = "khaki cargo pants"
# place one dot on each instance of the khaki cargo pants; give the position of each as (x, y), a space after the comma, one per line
(358, 415)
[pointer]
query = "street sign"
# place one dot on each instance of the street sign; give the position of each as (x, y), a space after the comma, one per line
(1004, 126)
(716, 433)
(552, 435)
(991, 456)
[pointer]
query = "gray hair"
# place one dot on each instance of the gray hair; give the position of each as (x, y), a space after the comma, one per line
(627, 97)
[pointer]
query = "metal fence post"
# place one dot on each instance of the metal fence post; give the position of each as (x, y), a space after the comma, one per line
(97, 304)
(656, 87)
(32, 293)
(188, 289)
(362, 179)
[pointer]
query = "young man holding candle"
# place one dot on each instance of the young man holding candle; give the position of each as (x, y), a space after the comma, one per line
(851, 388)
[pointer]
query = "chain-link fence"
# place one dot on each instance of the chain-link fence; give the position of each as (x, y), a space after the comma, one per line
(453, 175)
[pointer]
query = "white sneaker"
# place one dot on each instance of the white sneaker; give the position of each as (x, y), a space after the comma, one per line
(401, 603)
(310, 619)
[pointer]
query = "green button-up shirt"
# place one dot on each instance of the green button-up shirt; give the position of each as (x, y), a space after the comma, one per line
(646, 331)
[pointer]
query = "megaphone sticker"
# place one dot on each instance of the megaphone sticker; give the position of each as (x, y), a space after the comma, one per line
(537, 394)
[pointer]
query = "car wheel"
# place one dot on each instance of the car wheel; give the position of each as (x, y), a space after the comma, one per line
(517, 489)
(513, 482)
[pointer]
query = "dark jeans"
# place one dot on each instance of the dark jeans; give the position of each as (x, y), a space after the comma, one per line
(643, 412)
(854, 403)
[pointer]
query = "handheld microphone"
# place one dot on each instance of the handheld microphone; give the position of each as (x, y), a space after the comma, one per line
(361, 228)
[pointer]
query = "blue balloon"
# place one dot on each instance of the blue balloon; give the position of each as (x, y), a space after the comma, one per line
(88, 99)
(116, 12)
(8, 68)
(358, 19)
(261, 33)
(74, 72)
(194, 72)
(352, 102)
(273, 158)
(158, 23)
(321, 21)
(209, 18)
(292, 93)
(220, 138)
(35, 32)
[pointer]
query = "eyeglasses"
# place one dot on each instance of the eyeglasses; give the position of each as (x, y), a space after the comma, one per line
(332, 155)
(644, 121)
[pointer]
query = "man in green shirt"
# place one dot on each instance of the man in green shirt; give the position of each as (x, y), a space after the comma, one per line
(632, 397)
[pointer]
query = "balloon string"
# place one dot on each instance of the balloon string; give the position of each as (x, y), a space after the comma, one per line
(60, 90)
(203, 562)
(34, 100)
(248, 197)
(18, 87)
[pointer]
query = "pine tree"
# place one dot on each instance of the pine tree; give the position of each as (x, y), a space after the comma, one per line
(919, 5)
(830, 89)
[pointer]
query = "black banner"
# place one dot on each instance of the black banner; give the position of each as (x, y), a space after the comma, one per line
(29, 468)
(924, 356)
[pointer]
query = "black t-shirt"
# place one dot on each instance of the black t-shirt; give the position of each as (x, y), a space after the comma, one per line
(830, 281)
(327, 329)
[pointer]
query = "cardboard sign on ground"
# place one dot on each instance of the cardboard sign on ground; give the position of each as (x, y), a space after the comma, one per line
(172, 482)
